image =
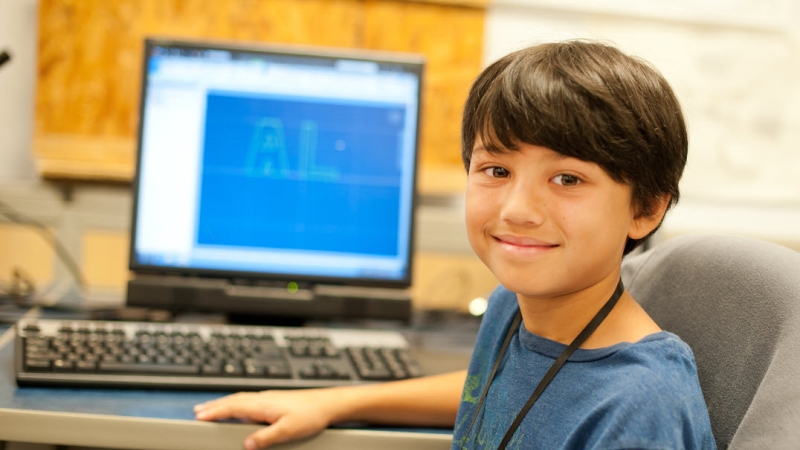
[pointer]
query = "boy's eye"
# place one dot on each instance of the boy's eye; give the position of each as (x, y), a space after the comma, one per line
(566, 180)
(496, 172)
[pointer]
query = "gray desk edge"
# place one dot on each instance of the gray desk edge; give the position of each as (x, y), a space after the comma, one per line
(105, 431)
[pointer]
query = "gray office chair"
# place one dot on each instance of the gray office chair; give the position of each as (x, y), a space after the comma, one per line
(736, 302)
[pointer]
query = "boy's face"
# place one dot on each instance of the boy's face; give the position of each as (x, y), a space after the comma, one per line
(545, 224)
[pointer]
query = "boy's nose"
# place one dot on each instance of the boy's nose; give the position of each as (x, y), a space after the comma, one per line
(524, 205)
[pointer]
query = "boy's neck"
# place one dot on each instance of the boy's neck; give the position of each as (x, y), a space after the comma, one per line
(562, 319)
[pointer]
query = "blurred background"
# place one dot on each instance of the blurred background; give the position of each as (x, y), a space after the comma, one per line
(69, 99)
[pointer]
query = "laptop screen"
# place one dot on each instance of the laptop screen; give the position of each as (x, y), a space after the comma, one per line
(276, 163)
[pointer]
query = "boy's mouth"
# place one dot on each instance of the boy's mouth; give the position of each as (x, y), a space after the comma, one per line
(523, 244)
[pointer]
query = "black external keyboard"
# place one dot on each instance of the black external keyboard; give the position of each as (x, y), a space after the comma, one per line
(207, 357)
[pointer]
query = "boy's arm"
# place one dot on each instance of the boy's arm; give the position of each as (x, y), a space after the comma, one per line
(426, 401)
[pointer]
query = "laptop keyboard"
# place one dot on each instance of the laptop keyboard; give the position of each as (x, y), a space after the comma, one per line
(205, 357)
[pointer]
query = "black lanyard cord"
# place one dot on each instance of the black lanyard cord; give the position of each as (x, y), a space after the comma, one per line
(551, 373)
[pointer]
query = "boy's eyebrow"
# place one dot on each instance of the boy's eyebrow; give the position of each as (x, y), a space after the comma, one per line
(478, 148)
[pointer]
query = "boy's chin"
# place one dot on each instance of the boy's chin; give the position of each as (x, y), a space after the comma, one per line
(532, 288)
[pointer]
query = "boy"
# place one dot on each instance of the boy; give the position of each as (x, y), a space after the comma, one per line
(573, 152)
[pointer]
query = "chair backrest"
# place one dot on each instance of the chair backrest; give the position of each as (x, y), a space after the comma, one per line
(736, 302)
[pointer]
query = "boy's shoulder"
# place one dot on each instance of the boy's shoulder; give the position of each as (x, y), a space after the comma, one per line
(659, 364)
(502, 301)
(637, 388)
(655, 381)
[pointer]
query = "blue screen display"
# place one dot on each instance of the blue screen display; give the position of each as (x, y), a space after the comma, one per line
(281, 173)
(277, 164)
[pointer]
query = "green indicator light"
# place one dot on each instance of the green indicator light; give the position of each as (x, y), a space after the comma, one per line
(292, 287)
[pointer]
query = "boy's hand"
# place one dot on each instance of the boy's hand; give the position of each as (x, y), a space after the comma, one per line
(425, 401)
(291, 414)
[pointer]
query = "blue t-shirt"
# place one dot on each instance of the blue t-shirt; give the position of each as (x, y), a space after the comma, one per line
(642, 395)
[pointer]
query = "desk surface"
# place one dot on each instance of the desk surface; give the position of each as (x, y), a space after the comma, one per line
(153, 419)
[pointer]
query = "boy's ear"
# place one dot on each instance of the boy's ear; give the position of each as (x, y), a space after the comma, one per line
(644, 223)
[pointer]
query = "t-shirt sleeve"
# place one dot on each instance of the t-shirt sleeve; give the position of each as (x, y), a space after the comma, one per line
(660, 409)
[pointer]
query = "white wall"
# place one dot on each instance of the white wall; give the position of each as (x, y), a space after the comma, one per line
(17, 88)
(735, 66)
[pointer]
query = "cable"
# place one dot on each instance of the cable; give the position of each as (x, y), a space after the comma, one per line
(49, 237)
(4, 57)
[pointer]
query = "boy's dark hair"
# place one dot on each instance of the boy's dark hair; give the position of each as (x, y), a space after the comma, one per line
(589, 101)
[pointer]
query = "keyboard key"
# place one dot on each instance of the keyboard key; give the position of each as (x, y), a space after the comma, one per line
(308, 372)
(147, 369)
(253, 370)
(231, 369)
(278, 371)
(85, 366)
(37, 364)
(61, 365)
(211, 369)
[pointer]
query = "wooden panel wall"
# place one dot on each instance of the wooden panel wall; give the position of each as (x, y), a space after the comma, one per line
(22, 248)
(90, 53)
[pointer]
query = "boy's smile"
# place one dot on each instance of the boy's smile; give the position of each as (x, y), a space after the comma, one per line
(548, 225)
(521, 245)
